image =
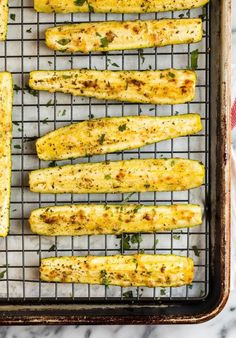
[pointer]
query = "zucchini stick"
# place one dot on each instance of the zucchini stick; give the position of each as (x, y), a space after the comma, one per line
(120, 270)
(83, 139)
(3, 19)
(115, 6)
(170, 86)
(121, 35)
(97, 219)
(172, 174)
(6, 93)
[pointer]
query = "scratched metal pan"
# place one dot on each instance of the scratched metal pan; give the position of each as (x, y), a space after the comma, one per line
(26, 300)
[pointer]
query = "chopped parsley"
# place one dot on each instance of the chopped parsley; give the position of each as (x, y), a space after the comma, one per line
(17, 146)
(172, 75)
(52, 164)
(52, 248)
(115, 65)
(163, 292)
(16, 88)
(101, 139)
(29, 30)
(155, 243)
(125, 243)
(2, 274)
(45, 121)
(104, 278)
(63, 42)
(107, 177)
(49, 103)
(31, 91)
(104, 42)
(13, 17)
(128, 294)
(82, 2)
(176, 237)
(196, 251)
(194, 59)
(136, 239)
(136, 209)
(122, 127)
(126, 199)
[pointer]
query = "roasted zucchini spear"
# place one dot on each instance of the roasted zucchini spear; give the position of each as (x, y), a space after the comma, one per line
(3, 19)
(115, 6)
(119, 176)
(120, 270)
(97, 219)
(83, 139)
(170, 86)
(6, 93)
(121, 35)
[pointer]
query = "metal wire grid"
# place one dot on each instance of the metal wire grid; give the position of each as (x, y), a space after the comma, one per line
(34, 114)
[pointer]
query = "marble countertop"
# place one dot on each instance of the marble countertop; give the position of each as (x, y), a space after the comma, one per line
(223, 326)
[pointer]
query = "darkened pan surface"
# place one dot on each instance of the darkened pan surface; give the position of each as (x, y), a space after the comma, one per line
(150, 308)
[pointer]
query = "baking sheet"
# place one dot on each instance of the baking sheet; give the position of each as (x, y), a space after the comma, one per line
(34, 115)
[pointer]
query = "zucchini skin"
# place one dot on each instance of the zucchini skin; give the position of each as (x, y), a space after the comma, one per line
(82, 139)
(3, 19)
(116, 6)
(169, 86)
(144, 175)
(123, 35)
(119, 270)
(97, 219)
(6, 94)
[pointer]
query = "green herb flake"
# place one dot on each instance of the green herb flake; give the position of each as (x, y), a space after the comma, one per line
(16, 88)
(101, 139)
(136, 209)
(104, 42)
(155, 243)
(64, 42)
(163, 292)
(29, 30)
(104, 278)
(172, 75)
(52, 164)
(31, 91)
(2, 274)
(13, 17)
(66, 77)
(45, 121)
(128, 294)
(136, 239)
(126, 199)
(122, 127)
(176, 237)
(125, 243)
(196, 251)
(52, 248)
(194, 59)
(80, 2)
(107, 177)
(17, 146)
(49, 103)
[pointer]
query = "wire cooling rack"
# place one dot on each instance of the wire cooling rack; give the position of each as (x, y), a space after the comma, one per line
(34, 114)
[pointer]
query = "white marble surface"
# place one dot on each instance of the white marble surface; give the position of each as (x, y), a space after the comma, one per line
(224, 325)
